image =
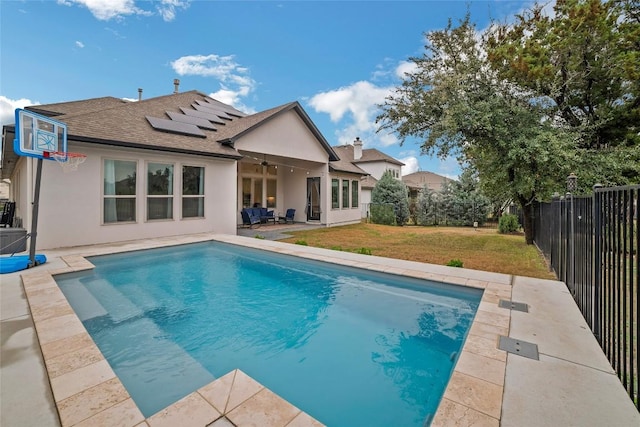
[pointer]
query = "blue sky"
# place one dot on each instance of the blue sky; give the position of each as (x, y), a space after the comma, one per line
(339, 59)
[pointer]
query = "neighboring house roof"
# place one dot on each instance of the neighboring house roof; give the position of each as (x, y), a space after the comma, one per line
(345, 163)
(187, 122)
(368, 182)
(372, 155)
(417, 180)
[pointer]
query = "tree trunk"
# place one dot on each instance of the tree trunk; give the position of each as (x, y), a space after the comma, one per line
(527, 218)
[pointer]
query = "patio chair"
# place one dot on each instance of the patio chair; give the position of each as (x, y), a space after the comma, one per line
(250, 218)
(288, 217)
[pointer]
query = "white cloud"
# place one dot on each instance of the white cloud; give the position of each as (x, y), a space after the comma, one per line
(405, 67)
(358, 105)
(235, 82)
(411, 165)
(220, 67)
(105, 10)
(232, 98)
(168, 8)
(79, 44)
(8, 108)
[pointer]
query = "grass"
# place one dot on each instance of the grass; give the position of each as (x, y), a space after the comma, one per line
(481, 249)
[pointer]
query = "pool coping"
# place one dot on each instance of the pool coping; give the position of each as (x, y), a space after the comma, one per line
(87, 391)
(475, 394)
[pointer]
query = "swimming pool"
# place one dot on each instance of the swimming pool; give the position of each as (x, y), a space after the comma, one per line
(347, 346)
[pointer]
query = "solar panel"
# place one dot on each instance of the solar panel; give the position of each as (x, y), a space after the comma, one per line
(201, 123)
(206, 107)
(203, 115)
(175, 127)
(226, 108)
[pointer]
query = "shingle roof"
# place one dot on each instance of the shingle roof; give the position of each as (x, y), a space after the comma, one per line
(116, 122)
(125, 124)
(344, 164)
(419, 179)
(83, 106)
(368, 155)
(368, 182)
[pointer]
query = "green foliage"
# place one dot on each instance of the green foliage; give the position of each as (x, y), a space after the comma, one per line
(462, 203)
(458, 106)
(336, 248)
(508, 224)
(389, 193)
(382, 214)
(429, 207)
(584, 60)
(259, 236)
(454, 263)
(364, 251)
(302, 242)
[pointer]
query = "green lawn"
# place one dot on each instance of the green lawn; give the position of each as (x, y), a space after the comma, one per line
(482, 249)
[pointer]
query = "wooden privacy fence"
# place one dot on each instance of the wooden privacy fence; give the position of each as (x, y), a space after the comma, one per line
(593, 245)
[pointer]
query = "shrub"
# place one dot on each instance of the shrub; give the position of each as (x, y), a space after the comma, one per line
(508, 224)
(454, 263)
(390, 191)
(364, 251)
(382, 214)
(336, 248)
(259, 236)
(302, 242)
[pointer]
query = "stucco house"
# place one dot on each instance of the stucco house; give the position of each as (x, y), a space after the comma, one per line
(374, 163)
(178, 164)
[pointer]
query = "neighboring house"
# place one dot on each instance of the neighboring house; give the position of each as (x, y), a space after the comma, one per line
(416, 182)
(178, 164)
(373, 162)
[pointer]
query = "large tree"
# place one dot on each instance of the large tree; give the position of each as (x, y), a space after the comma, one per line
(585, 60)
(457, 105)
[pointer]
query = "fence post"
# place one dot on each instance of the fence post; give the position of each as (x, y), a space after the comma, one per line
(597, 263)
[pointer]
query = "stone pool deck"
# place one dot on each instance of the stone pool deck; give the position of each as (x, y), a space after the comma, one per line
(52, 374)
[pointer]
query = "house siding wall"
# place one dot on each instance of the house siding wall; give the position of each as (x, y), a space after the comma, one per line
(365, 201)
(285, 135)
(376, 169)
(70, 209)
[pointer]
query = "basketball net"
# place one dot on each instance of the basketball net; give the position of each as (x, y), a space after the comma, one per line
(68, 161)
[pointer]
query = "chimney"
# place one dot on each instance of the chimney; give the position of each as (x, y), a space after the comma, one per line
(176, 84)
(139, 94)
(357, 149)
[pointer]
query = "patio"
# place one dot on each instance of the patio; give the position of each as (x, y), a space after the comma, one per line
(572, 383)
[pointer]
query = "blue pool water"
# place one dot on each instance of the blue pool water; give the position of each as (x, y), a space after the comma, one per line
(348, 346)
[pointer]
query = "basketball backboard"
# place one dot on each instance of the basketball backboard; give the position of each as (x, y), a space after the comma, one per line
(38, 136)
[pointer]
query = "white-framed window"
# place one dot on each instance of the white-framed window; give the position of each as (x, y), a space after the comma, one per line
(119, 191)
(345, 193)
(355, 186)
(192, 191)
(335, 193)
(159, 191)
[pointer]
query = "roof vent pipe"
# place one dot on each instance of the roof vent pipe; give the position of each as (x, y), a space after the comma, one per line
(176, 84)
(357, 149)
(139, 94)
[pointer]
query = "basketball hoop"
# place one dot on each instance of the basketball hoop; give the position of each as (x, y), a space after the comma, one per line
(68, 161)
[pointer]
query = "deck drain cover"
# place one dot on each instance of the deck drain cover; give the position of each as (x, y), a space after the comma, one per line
(511, 305)
(519, 347)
